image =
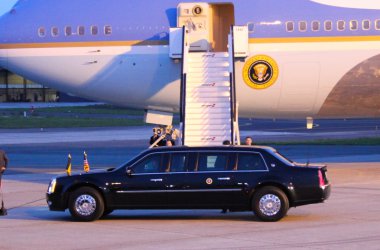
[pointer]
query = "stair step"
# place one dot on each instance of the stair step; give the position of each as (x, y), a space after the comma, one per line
(208, 64)
(192, 61)
(211, 94)
(215, 121)
(222, 71)
(195, 127)
(207, 141)
(203, 77)
(209, 84)
(208, 54)
(191, 79)
(207, 89)
(225, 115)
(207, 105)
(207, 100)
(192, 111)
(198, 134)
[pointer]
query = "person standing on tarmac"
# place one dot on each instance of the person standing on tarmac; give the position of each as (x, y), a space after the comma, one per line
(3, 166)
(248, 141)
(3, 162)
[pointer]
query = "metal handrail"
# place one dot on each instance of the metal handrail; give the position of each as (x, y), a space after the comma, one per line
(233, 85)
(183, 84)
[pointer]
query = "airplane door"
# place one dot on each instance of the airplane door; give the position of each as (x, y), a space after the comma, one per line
(195, 16)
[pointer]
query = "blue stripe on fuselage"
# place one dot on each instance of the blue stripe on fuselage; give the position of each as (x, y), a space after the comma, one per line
(151, 19)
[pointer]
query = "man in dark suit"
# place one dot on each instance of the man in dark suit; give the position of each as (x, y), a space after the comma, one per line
(3, 166)
(3, 162)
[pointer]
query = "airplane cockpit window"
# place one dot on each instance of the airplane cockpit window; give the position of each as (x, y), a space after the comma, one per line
(377, 24)
(328, 25)
(366, 24)
(290, 26)
(341, 25)
(107, 30)
(353, 25)
(81, 30)
(68, 31)
(251, 27)
(41, 32)
(302, 26)
(315, 25)
(94, 30)
(54, 31)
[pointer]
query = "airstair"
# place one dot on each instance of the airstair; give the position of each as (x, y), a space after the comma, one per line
(208, 108)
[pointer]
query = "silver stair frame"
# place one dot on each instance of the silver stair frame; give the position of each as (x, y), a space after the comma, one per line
(185, 52)
(235, 132)
(235, 135)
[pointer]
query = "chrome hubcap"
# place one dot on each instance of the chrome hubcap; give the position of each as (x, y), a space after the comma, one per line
(270, 204)
(85, 205)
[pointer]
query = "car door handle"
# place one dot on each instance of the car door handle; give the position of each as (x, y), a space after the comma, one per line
(156, 180)
(224, 178)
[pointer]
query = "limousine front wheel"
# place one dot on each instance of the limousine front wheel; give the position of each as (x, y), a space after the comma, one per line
(270, 203)
(86, 204)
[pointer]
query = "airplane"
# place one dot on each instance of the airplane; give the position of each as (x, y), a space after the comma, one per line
(318, 58)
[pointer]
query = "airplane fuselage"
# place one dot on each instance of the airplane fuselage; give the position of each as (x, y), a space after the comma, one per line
(117, 51)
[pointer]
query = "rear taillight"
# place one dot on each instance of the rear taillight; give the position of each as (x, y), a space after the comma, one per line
(321, 180)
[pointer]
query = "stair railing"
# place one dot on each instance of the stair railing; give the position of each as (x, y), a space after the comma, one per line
(235, 137)
(185, 52)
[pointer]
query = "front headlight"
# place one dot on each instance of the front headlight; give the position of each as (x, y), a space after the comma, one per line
(52, 185)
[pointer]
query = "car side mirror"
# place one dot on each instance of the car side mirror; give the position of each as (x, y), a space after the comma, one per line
(129, 171)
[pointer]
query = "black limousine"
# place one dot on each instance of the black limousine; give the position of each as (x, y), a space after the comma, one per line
(234, 178)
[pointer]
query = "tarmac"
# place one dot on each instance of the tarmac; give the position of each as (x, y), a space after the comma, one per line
(350, 219)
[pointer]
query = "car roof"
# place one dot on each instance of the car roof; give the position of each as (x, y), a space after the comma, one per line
(208, 148)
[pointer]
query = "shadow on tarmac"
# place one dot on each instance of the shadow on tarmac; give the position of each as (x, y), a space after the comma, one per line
(42, 213)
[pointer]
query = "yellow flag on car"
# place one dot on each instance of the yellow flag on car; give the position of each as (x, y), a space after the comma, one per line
(68, 166)
(86, 166)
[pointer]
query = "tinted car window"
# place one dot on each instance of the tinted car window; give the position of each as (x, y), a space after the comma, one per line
(249, 161)
(178, 163)
(151, 164)
(212, 162)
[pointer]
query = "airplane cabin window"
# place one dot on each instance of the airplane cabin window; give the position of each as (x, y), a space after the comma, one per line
(341, 25)
(302, 26)
(315, 25)
(68, 31)
(251, 27)
(328, 25)
(54, 31)
(377, 24)
(107, 30)
(353, 25)
(366, 24)
(94, 30)
(81, 30)
(42, 32)
(290, 26)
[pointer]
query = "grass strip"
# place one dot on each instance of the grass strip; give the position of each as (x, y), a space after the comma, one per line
(63, 122)
(365, 141)
(95, 109)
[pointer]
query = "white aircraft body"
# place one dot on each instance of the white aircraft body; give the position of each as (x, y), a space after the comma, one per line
(314, 58)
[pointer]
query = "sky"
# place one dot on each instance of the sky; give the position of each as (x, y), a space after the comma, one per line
(5, 5)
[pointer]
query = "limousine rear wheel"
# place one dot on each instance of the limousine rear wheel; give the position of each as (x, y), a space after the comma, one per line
(270, 203)
(86, 204)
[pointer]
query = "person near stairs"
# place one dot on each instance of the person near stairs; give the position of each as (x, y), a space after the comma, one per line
(3, 162)
(3, 166)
